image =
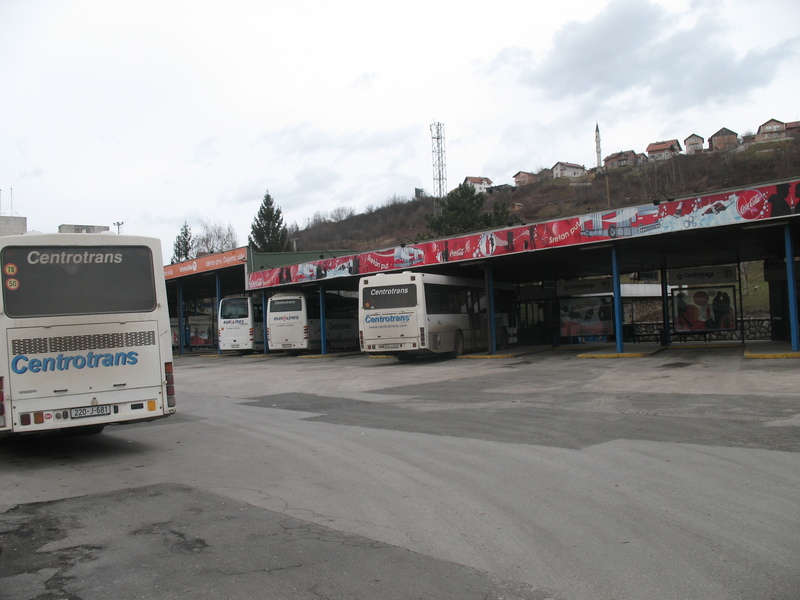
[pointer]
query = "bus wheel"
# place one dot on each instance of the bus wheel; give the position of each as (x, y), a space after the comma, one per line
(458, 345)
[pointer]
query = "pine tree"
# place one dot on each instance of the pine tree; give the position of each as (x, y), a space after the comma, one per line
(268, 232)
(183, 248)
(462, 211)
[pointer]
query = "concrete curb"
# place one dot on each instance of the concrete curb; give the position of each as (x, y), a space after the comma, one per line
(751, 354)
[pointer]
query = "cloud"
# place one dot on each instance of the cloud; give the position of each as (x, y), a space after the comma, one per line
(365, 80)
(205, 150)
(640, 54)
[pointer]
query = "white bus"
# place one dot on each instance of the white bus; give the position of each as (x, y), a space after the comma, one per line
(86, 328)
(240, 324)
(409, 314)
(294, 324)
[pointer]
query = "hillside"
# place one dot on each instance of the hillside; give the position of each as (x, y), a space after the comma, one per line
(404, 220)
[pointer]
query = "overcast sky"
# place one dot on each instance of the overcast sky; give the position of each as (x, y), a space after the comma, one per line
(153, 113)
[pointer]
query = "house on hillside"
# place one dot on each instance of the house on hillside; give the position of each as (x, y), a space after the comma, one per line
(524, 178)
(618, 160)
(481, 184)
(793, 129)
(565, 169)
(499, 189)
(663, 150)
(694, 144)
(545, 174)
(724, 139)
(770, 131)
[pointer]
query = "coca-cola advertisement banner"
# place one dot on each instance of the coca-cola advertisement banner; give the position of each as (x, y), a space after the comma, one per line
(743, 205)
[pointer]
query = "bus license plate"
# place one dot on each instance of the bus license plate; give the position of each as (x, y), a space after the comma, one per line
(390, 345)
(90, 411)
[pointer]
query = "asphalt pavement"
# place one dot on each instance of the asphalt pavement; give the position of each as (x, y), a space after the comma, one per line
(538, 474)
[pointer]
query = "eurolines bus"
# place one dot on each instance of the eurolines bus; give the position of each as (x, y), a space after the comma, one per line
(87, 336)
(408, 314)
(240, 324)
(294, 323)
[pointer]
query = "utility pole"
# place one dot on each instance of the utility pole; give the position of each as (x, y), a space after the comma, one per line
(118, 224)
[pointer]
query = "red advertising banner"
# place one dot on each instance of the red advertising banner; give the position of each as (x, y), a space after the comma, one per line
(713, 210)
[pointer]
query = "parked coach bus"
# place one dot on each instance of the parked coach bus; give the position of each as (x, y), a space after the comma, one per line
(294, 325)
(240, 324)
(408, 314)
(87, 335)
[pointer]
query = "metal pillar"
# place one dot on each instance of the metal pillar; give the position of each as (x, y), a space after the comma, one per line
(323, 328)
(264, 320)
(490, 309)
(617, 301)
(215, 313)
(665, 337)
(181, 332)
(792, 288)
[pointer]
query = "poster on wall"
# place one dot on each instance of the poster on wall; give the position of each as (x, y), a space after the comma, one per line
(589, 318)
(704, 309)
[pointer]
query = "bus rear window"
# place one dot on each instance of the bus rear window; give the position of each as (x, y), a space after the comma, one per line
(234, 308)
(42, 281)
(390, 296)
(285, 305)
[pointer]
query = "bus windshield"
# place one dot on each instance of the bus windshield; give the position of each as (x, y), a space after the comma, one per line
(77, 280)
(390, 296)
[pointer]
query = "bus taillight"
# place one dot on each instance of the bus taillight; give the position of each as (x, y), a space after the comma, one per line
(2, 403)
(361, 339)
(421, 337)
(305, 332)
(170, 384)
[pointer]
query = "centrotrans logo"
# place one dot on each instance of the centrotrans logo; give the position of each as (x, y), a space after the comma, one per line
(24, 364)
(188, 268)
(35, 257)
(387, 319)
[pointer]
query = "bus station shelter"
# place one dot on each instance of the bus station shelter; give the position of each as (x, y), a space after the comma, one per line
(692, 246)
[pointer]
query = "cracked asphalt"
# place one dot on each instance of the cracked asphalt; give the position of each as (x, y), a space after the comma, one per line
(536, 477)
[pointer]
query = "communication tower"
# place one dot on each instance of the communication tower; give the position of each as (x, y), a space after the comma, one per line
(439, 167)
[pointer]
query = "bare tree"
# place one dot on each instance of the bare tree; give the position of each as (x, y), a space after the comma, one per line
(342, 213)
(215, 237)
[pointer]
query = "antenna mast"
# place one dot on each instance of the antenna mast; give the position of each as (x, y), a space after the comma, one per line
(439, 167)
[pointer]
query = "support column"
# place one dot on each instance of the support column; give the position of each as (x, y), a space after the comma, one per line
(215, 314)
(617, 301)
(791, 285)
(181, 326)
(490, 309)
(264, 320)
(323, 328)
(665, 337)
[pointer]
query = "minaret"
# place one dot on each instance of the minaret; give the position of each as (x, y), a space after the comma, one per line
(597, 143)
